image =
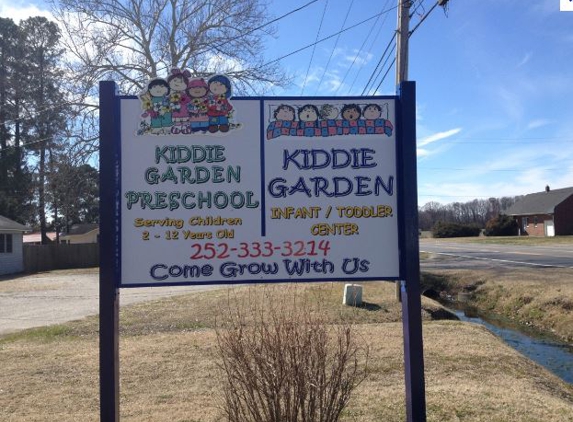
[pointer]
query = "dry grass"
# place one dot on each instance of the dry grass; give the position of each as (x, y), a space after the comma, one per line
(169, 366)
(541, 297)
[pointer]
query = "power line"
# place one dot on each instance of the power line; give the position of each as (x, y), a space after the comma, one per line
(248, 32)
(490, 170)
(325, 38)
(26, 144)
(366, 89)
(244, 34)
(361, 48)
(424, 17)
(314, 47)
(462, 141)
(35, 113)
(372, 44)
(420, 4)
(387, 71)
(334, 48)
(372, 78)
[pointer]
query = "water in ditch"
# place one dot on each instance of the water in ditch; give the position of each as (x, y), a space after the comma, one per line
(549, 352)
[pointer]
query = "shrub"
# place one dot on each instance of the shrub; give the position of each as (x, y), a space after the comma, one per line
(285, 364)
(502, 225)
(444, 229)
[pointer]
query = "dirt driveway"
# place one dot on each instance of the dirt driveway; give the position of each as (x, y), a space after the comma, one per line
(59, 296)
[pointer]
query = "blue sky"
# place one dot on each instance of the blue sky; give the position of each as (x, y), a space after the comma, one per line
(494, 84)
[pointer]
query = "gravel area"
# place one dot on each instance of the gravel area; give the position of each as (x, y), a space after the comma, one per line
(59, 296)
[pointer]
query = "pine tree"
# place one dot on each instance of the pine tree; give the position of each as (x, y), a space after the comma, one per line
(46, 103)
(15, 178)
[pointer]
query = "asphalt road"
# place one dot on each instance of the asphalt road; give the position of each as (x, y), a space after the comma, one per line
(59, 296)
(475, 254)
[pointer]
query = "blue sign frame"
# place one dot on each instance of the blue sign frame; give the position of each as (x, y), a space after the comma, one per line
(110, 255)
(371, 128)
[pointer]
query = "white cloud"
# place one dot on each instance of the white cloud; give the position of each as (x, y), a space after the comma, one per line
(525, 59)
(511, 102)
(223, 64)
(420, 109)
(537, 123)
(358, 58)
(18, 12)
(520, 171)
(438, 136)
(332, 81)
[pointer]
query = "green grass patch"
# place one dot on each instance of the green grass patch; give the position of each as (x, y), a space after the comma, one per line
(42, 334)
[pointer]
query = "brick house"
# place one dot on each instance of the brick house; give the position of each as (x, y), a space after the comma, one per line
(547, 213)
(11, 250)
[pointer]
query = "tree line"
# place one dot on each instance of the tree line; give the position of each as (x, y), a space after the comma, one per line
(39, 180)
(49, 80)
(476, 212)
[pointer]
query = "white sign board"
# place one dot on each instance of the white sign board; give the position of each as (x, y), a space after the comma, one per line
(278, 189)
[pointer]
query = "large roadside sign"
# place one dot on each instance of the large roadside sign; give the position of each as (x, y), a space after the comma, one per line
(199, 187)
(216, 189)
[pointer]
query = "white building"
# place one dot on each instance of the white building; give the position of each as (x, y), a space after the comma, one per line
(11, 250)
(81, 233)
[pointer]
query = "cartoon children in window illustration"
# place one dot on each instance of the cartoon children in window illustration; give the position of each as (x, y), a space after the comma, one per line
(326, 120)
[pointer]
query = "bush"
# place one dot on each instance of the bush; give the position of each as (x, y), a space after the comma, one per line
(502, 225)
(444, 229)
(285, 364)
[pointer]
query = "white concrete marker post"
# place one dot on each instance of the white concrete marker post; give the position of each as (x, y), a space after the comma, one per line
(352, 295)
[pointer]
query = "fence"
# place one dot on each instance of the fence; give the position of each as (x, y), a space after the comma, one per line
(60, 256)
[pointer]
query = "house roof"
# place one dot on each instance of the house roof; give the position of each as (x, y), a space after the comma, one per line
(37, 237)
(78, 229)
(7, 225)
(540, 202)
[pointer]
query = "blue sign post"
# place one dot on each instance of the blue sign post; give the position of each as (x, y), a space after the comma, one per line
(410, 258)
(197, 187)
(109, 259)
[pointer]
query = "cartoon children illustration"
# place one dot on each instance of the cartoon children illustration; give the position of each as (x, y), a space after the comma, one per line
(351, 112)
(308, 116)
(157, 105)
(372, 111)
(197, 106)
(284, 113)
(219, 107)
(179, 98)
(328, 112)
(328, 119)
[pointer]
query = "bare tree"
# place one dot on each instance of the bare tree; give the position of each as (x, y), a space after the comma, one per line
(132, 41)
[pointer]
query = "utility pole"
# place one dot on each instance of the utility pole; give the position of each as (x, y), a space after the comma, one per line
(408, 289)
(403, 33)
